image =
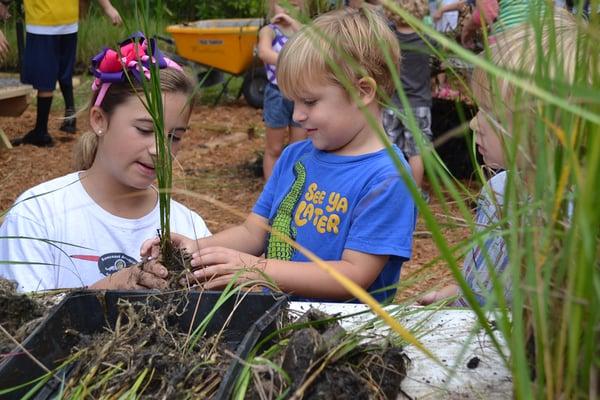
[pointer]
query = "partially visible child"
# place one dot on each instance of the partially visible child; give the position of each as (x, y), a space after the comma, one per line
(447, 13)
(277, 110)
(338, 194)
(512, 51)
(416, 82)
(86, 228)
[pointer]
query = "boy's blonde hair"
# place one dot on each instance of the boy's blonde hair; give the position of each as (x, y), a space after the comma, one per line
(554, 53)
(171, 81)
(352, 41)
(518, 50)
(417, 8)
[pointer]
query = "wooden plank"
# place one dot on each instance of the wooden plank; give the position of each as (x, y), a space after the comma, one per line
(15, 91)
(13, 106)
(4, 142)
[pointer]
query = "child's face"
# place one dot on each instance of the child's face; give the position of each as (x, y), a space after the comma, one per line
(280, 8)
(126, 149)
(488, 139)
(330, 119)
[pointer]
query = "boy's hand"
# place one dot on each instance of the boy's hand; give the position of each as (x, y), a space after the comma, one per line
(151, 275)
(215, 267)
(447, 292)
(284, 18)
(428, 298)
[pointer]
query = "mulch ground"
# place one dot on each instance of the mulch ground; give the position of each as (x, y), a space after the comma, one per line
(218, 160)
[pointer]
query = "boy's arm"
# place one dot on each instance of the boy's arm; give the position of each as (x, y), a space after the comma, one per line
(447, 8)
(218, 265)
(248, 237)
(265, 47)
(111, 12)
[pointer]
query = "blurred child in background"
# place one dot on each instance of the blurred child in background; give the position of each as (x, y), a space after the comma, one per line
(416, 83)
(277, 110)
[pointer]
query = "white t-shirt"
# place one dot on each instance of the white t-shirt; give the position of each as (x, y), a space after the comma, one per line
(56, 236)
(449, 20)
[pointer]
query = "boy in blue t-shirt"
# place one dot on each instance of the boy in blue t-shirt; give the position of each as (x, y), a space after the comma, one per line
(337, 194)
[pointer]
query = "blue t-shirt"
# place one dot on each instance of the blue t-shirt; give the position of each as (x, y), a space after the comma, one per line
(329, 203)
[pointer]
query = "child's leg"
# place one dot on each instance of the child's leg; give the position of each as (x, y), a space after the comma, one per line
(40, 68)
(409, 145)
(68, 46)
(274, 141)
(277, 114)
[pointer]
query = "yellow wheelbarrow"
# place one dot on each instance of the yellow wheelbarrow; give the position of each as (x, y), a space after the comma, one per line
(225, 45)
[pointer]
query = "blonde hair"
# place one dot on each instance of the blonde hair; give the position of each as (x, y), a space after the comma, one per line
(417, 8)
(518, 50)
(171, 81)
(554, 52)
(354, 41)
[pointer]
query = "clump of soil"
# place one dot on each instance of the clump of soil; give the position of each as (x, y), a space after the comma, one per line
(19, 314)
(147, 347)
(178, 263)
(322, 361)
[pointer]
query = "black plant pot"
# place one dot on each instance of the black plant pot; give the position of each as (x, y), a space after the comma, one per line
(248, 319)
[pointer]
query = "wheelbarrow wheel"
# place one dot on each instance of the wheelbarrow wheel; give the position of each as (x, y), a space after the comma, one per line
(253, 86)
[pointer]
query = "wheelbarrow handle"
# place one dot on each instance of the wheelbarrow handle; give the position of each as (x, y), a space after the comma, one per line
(165, 39)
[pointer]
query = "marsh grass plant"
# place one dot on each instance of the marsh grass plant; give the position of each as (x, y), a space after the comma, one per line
(549, 223)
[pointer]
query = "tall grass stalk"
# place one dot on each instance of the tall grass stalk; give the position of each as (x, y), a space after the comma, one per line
(153, 102)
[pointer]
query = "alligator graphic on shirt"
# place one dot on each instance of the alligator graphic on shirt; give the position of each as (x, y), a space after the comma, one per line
(282, 222)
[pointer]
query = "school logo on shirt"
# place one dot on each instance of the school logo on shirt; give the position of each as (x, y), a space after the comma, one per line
(108, 263)
(112, 262)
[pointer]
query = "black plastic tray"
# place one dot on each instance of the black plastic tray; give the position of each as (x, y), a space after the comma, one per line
(254, 316)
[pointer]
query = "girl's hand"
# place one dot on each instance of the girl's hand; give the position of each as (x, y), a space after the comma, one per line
(150, 247)
(151, 275)
(437, 15)
(215, 267)
(286, 20)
